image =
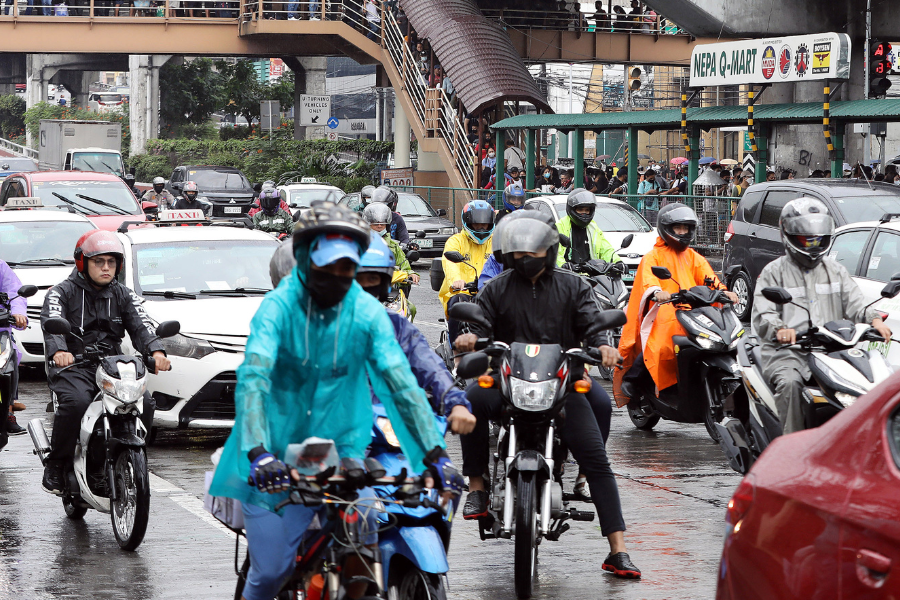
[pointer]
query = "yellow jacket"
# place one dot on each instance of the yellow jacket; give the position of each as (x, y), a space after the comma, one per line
(475, 254)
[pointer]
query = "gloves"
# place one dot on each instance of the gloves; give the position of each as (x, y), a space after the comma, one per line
(268, 473)
(446, 476)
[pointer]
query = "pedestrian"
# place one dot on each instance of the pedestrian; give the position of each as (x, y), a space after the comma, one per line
(489, 161)
(373, 16)
(618, 184)
(437, 77)
(601, 19)
(449, 90)
(513, 156)
(565, 185)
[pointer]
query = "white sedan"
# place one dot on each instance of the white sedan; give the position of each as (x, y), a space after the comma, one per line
(212, 280)
(300, 195)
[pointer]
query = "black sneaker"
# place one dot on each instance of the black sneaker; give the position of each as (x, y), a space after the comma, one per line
(53, 479)
(628, 390)
(476, 505)
(13, 427)
(620, 565)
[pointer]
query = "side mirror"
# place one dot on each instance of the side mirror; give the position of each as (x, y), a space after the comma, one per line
(662, 273)
(442, 212)
(895, 277)
(27, 291)
(778, 295)
(565, 241)
(890, 290)
(473, 365)
(436, 274)
(168, 329)
(627, 241)
(454, 257)
(420, 234)
(149, 207)
(469, 312)
(610, 319)
(57, 326)
(412, 256)
(294, 205)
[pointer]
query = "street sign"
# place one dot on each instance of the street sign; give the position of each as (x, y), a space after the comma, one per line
(772, 60)
(314, 110)
(397, 177)
(332, 136)
(269, 114)
(333, 123)
(749, 163)
(356, 126)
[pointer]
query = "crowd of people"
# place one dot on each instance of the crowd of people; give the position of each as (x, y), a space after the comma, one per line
(628, 17)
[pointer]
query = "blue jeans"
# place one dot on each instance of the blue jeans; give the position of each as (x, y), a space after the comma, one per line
(9, 7)
(292, 9)
(272, 542)
(314, 10)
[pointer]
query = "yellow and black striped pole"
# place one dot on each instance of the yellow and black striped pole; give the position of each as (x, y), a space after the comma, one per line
(826, 119)
(626, 157)
(750, 131)
(684, 131)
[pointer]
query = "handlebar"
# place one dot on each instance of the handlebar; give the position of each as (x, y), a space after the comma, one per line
(326, 487)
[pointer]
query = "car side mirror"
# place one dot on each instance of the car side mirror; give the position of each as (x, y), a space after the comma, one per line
(420, 234)
(895, 277)
(27, 291)
(473, 365)
(57, 326)
(149, 207)
(777, 295)
(168, 329)
(661, 273)
(412, 256)
(890, 290)
(454, 257)
(442, 212)
(469, 312)
(627, 241)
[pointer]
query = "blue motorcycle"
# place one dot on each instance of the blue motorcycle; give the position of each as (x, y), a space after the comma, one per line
(414, 553)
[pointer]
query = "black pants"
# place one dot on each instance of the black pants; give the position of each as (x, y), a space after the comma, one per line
(9, 391)
(578, 430)
(638, 374)
(453, 324)
(601, 406)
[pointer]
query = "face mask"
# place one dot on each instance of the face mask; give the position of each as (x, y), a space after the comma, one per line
(158, 188)
(528, 266)
(491, 154)
(546, 175)
(326, 288)
(385, 233)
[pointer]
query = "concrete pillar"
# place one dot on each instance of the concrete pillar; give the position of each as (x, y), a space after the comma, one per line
(143, 76)
(379, 114)
(578, 155)
(632, 160)
(78, 83)
(37, 82)
(401, 138)
(312, 83)
(530, 159)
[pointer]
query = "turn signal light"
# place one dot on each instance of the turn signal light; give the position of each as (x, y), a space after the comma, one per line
(486, 381)
(582, 386)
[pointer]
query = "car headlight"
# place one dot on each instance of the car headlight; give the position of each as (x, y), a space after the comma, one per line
(181, 345)
(845, 399)
(128, 389)
(384, 424)
(447, 231)
(534, 396)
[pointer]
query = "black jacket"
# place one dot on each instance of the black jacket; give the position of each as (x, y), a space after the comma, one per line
(557, 309)
(183, 203)
(97, 316)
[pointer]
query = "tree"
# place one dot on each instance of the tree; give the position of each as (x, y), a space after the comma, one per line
(12, 116)
(282, 90)
(242, 89)
(190, 93)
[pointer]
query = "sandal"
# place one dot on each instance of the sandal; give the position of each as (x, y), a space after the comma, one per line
(580, 489)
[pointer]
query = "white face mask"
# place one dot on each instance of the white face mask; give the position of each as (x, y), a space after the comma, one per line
(491, 154)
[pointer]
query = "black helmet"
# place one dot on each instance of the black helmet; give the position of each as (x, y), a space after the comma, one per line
(269, 201)
(528, 213)
(676, 214)
(328, 217)
(190, 191)
(385, 195)
(581, 198)
(529, 235)
(478, 212)
(807, 230)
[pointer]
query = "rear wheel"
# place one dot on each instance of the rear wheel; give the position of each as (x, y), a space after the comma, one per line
(415, 584)
(640, 416)
(740, 285)
(131, 509)
(526, 535)
(73, 511)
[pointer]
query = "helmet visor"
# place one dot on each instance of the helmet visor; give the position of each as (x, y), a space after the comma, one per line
(680, 214)
(809, 225)
(527, 235)
(481, 215)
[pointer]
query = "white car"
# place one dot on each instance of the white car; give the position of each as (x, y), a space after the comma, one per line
(38, 245)
(212, 280)
(300, 195)
(871, 252)
(617, 219)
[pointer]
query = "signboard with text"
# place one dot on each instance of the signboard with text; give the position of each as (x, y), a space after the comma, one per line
(397, 177)
(314, 110)
(772, 60)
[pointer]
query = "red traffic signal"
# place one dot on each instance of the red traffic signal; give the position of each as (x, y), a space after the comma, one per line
(879, 67)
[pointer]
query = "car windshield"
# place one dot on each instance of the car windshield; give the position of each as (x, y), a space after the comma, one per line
(81, 195)
(17, 165)
(99, 162)
(615, 217)
(208, 179)
(109, 98)
(867, 208)
(35, 241)
(302, 198)
(210, 265)
(413, 205)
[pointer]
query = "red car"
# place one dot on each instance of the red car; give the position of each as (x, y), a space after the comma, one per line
(818, 516)
(101, 197)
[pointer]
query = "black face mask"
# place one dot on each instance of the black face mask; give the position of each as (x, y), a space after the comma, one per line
(326, 288)
(158, 188)
(529, 266)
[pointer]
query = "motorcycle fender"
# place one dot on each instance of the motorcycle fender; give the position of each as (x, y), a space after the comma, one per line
(529, 461)
(723, 362)
(421, 546)
(125, 439)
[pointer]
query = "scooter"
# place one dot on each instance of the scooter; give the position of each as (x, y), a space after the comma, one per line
(398, 296)
(841, 373)
(444, 348)
(109, 473)
(708, 372)
(9, 364)
(526, 498)
(414, 552)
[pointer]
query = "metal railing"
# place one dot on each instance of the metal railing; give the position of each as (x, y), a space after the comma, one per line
(18, 150)
(153, 9)
(349, 12)
(650, 23)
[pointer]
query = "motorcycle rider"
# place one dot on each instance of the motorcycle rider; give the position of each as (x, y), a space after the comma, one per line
(316, 344)
(513, 200)
(9, 285)
(271, 218)
(266, 187)
(814, 280)
(653, 354)
(386, 195)
(510, 301)
(160, 195)
(100, 310)
(189, 199)
(587, 239)
(378, 216)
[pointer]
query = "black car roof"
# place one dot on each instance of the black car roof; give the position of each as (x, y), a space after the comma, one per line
(212, 168)
(832, 187)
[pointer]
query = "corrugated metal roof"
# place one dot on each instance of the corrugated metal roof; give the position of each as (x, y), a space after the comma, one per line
(810, 112)
(476, 54)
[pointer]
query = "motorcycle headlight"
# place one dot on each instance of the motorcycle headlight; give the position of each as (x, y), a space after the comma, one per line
(533, 396)
(845, 399)
(384, 424)
(704, 343)
(128, 390)
(181, 345)
(447, 231)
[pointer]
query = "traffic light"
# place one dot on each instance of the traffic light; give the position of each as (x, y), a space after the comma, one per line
(633, 75)
(879, 67)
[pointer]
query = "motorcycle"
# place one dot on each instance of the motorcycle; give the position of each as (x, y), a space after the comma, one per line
(398, 296)
(414, 553)
(444, 349)
(9, 364)
(841, 373)
(708, 372)
(526, 498)
(109, 472)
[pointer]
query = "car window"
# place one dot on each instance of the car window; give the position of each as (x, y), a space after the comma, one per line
(749, 206)
(25, 241)
(352, 201)
(101, 162)
(413, 205)
(848, 248)
(176, 176)
(208, 179)
(856, 209)
(885, 260)
(775, 201)
(541, 206)
(303, 198)
(619, 217)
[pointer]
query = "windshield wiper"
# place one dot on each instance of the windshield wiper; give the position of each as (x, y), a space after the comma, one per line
(79, 207)
(121, 211)
(235, 292)
(58, 261)
(171, 294)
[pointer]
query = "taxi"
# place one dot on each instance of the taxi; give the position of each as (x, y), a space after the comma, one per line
(211, 277)
(299, 195)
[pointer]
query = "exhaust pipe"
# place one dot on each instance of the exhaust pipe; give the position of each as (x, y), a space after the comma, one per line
(39, 438)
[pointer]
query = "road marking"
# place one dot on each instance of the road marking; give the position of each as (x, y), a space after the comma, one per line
(438, 325)
(188, 502)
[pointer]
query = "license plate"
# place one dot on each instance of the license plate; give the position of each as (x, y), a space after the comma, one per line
(425, 243)
(232, 210)
(629, 276)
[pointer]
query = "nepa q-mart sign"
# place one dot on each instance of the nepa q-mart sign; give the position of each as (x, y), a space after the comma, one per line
(773, 60)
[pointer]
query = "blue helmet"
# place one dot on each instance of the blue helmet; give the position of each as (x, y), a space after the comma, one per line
(513, 197)
(478, 212)
(378, 258)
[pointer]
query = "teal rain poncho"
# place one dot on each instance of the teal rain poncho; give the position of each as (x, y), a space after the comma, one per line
(304, 375)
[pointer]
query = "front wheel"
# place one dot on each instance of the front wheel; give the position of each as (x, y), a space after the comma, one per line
(526, 535)
(131, 509)
(417, 585)
(642, 419)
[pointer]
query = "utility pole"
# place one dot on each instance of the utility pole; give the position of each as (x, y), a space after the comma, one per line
(571, 140)
(867, 142)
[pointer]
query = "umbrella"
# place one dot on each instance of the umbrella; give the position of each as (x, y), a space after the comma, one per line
(728, 161)
(604, 157)
(709, 178)
(644, 156)
(706, 160)
(678, 160)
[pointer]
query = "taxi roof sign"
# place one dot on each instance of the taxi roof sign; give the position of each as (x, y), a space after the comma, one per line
(308, 180)
(24, 202)
(195, 214)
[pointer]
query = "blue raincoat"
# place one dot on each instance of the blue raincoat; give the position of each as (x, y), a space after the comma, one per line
(304, 374)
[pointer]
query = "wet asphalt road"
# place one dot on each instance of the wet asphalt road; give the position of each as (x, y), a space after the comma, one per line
(674, 485)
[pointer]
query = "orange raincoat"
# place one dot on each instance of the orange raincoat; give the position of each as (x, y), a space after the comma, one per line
(652, 326)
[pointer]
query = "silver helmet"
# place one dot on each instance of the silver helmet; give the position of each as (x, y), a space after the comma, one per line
(807, 231)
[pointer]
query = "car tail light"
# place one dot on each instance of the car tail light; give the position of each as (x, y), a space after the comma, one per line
(729, 233)
(740, 503)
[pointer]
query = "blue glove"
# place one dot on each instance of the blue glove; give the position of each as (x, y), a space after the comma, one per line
(446, 476)
(268, 473)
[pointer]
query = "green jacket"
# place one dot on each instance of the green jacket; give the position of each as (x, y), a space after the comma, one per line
(600, 246)
(280, 222)
(399, 256)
